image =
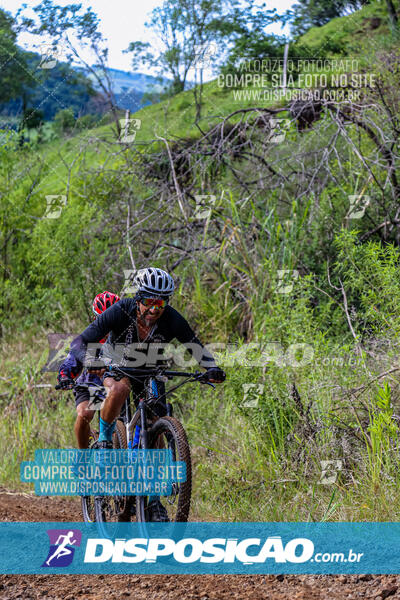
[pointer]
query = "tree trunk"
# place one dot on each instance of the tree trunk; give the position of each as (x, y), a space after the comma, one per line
(197, 92)
(198, 105)
(178, 86)
(21, 139)
(392, 14)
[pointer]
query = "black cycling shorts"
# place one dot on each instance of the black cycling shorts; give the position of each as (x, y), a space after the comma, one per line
(81, 395)
(137, 387)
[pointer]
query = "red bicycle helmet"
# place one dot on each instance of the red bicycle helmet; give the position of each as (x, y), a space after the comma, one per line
(103, 301)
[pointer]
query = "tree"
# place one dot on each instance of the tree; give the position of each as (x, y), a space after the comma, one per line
(50, 88)
(245, 28)
(64, 121)
(392, 14)
(32, 118)
(13, 72)
(185, 29)
(76, 30)
(61, 86)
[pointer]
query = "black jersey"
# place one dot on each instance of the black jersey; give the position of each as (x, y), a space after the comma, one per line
(123, 347)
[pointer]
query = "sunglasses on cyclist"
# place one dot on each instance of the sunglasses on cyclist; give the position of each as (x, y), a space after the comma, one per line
(157, 302)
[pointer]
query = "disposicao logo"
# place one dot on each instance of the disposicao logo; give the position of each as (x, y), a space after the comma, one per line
(190, 550)
(62, 547)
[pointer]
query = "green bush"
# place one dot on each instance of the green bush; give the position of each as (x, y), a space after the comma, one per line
(64, 120)
(86, 122)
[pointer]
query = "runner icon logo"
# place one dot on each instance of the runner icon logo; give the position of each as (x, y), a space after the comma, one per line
(62, 542)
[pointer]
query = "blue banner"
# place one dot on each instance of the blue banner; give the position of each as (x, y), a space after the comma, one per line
(174, 548)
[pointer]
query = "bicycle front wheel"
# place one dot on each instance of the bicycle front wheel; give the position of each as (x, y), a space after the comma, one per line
(168, 433)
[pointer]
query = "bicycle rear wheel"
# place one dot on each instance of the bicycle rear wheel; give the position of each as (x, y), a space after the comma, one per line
(168, 432)
(115, 509)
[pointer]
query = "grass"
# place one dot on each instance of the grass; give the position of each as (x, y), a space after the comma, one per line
(249, 464)
(240, 477)
(352, 34)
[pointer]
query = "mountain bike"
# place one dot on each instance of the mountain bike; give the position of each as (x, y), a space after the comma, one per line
(156, 432)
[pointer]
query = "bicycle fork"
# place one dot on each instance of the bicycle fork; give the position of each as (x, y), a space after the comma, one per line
(143, 428)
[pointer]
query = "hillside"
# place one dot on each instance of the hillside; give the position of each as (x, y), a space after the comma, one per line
(359, 37)
(351, 35)
(129, 88)
(63, 87)
(175, 117)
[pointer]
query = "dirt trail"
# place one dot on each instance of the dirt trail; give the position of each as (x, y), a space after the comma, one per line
(20, 507)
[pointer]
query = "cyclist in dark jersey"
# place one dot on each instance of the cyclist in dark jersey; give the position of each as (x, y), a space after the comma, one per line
(134, 325)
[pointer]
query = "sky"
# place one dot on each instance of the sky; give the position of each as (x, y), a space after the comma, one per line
(122, 22)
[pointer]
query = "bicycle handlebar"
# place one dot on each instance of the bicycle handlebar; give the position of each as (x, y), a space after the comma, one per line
(196, 376)
(83, 385)
(158, 371)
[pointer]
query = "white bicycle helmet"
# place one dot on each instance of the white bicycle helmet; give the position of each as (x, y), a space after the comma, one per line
(154, 281)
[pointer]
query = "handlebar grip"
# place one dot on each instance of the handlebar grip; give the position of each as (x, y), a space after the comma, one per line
(60, 387)
(202, 377)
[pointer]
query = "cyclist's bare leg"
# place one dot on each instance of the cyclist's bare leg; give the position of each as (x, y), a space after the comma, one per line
(82, 424)
(117, 391)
